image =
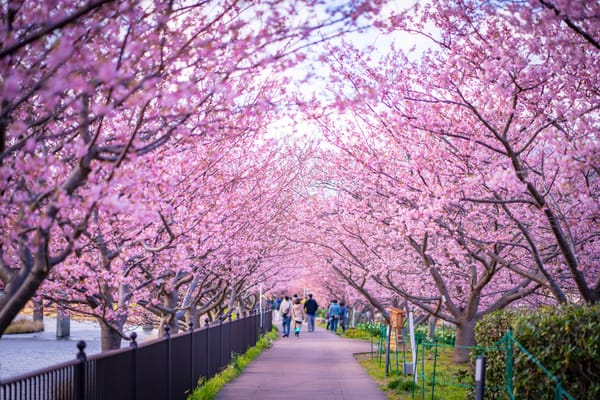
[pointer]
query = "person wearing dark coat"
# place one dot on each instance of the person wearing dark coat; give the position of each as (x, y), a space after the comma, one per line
(310, 308)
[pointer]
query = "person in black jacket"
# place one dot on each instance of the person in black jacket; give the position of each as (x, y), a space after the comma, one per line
(310, 309)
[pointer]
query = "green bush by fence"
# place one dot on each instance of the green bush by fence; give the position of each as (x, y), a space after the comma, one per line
(565, 341)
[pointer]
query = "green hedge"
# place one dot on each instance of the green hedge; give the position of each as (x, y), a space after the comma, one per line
(565, 340)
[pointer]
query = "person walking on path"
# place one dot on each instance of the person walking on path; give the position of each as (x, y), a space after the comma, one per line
(343, 316)
(285, 310)
(276, 304)
(298, 316)
(311, 307)
(334, 315)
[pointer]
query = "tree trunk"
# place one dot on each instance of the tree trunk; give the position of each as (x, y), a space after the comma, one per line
(161, 326)
(432, 325)
(175, 322)
(192, 316)
(17, 293)
(169, 300)
(465, 336)
(109, 337)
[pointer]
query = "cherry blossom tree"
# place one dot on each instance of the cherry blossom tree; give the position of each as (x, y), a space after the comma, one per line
(509, 89)
(88, 87)
(178, 268)
(466, 179)
(138, 174)
(379, 239)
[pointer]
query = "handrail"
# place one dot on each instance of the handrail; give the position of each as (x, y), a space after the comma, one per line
(158, 365)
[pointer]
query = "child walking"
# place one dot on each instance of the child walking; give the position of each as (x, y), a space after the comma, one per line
(297, 316)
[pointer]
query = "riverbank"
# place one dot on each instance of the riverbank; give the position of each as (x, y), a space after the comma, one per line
(23, 353)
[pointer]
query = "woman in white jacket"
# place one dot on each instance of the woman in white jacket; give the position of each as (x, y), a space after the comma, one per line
(297, 316)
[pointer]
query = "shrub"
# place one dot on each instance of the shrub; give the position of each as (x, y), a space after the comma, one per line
(372, 329)
(566, 341)
(402, 385)
(443, 334)
(355, 333)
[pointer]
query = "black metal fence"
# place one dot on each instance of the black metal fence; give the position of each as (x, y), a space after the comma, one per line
(164, 368)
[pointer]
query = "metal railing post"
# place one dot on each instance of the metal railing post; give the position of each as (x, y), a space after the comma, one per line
(133, 346)
(80, 372)
(245, 323)
(230, 334)
(207, 352)
(192, 356)
(508, 370)
(435, 353)
(479, 377)
(168, 335)
(558, 391)
(220, 343)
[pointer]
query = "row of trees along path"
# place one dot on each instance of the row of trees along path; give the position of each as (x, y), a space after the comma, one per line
(167, 160)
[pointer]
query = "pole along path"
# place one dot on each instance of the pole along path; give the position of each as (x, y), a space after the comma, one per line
(316, 366)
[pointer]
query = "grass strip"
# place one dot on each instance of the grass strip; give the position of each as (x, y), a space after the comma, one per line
(451, 380)
(208, 390)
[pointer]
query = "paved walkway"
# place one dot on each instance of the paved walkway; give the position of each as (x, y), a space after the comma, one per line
(317, 366)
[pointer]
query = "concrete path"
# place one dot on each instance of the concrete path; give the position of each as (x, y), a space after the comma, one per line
(317, 366)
